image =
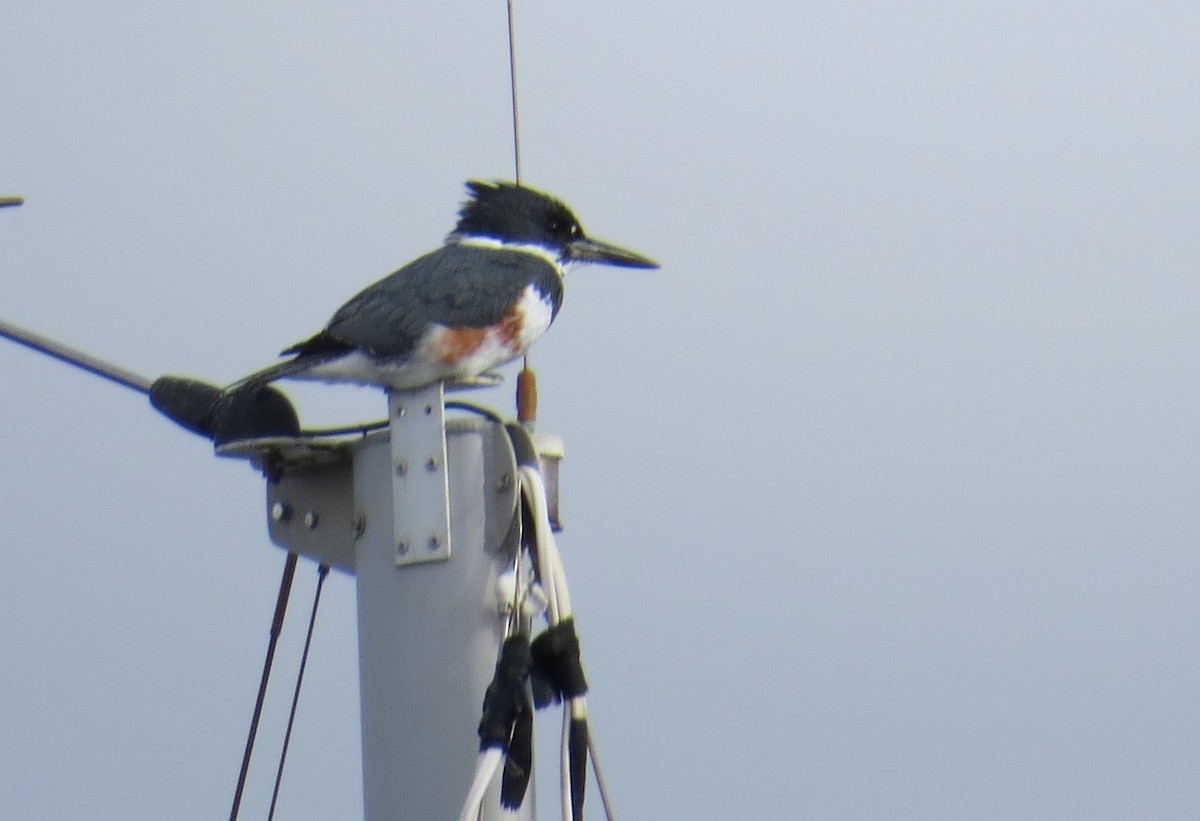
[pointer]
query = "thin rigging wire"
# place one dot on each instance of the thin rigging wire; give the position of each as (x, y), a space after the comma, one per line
(285, 589)
(600, 783)
(322, 572)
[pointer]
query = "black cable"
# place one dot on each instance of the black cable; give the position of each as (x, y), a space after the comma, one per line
(322, 572)
(361, 429)
(367, 427)
(507, 722)
(577, 750)
(471, 407)
(285, 588)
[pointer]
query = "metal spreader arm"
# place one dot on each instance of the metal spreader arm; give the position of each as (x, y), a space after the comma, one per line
(74, 356)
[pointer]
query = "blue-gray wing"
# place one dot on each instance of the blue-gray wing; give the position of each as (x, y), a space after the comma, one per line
(456, 286)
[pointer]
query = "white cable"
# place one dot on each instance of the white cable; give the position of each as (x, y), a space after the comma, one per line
(554, 580)
(486, 767)
(564, 766)
(601, 787)
(548, 563)
(511, 590)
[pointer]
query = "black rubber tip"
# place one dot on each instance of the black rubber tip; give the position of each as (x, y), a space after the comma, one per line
(224, 416)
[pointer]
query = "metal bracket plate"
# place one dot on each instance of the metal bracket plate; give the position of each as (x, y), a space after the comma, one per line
(420, 487)
(311, 511)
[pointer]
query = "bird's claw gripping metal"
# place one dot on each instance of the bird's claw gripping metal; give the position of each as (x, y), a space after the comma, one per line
(487, 379)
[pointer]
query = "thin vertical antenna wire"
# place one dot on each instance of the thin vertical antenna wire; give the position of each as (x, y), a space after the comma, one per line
(322, 572)
(516, 117)
(285, 589)
(512, 74)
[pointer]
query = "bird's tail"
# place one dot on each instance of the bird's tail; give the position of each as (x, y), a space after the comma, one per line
(271, 373)
(288, 367)
(321, 348)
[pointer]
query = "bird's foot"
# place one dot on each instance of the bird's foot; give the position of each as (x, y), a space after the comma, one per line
(487, 379)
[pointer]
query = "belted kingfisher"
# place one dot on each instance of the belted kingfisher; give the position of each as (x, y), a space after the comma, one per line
(477, 302)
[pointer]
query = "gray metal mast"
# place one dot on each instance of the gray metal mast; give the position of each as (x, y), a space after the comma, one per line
(424, 515)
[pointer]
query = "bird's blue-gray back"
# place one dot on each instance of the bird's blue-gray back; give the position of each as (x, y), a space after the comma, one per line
(456, 286)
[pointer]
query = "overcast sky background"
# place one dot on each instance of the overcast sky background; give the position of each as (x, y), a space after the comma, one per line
(881, 496)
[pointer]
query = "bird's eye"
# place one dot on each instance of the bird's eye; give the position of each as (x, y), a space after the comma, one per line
(575, 229)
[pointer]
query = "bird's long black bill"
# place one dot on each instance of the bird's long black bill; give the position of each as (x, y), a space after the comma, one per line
(591, 250)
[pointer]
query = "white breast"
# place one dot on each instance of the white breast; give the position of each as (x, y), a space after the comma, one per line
(448, 353)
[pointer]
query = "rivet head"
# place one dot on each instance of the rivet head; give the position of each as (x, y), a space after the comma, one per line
(401, 467)
(434, 542)
(312, 519)
(402, 548)
(431, 465)
(360, 524)
(281, 512)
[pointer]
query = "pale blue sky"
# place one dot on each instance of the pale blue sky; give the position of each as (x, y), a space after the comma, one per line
(880, 496)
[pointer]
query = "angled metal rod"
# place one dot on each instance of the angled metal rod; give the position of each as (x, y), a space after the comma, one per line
(7, 202)
(281, 602)
(322, 572)
(74, 356)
